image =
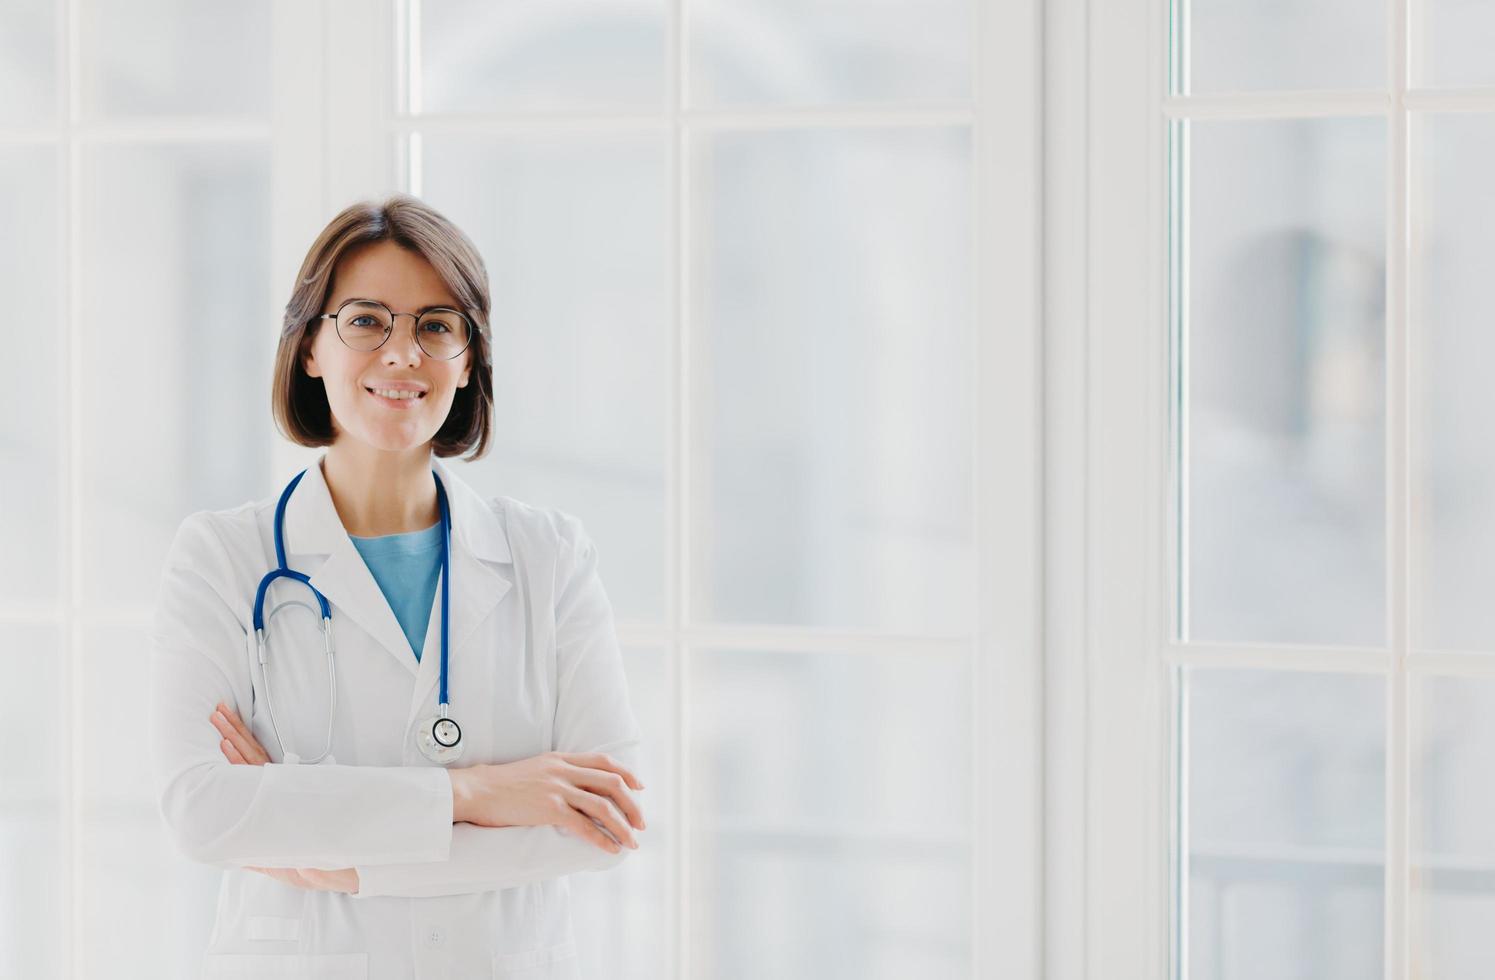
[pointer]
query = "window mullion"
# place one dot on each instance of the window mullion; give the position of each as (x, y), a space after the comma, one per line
(1397, 498)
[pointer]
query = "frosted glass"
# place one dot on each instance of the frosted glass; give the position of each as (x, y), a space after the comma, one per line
(31, 498)
(1285, 827)
(831, 805)
(178, 339)
(476, 56)
(777, 52)
(1458, 36)
(32, 773)
(146, 910)
(832, 392)
(574, 233)
(155, 57)
(1453, 827)
(620, 919)
(1285, 381)
(1256, 45)
(1453, 467)
(28, 64)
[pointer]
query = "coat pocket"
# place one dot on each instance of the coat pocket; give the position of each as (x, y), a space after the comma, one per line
(286, 966)
(534, 964)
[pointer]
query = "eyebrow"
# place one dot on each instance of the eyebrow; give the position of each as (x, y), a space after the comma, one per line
(423, 309)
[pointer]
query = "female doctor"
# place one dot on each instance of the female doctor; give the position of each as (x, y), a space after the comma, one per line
(392, 709)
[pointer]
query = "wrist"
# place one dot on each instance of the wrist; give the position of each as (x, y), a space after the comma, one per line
(461, 794)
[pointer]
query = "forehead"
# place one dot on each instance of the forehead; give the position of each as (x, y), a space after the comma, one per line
(397, 277)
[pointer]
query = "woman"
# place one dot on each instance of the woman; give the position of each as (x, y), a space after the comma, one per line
(391, 793)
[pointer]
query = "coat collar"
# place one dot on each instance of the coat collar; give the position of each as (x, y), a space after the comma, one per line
(312, 526)
(480, 546)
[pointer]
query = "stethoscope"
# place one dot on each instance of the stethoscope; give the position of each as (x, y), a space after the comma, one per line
(439, 737)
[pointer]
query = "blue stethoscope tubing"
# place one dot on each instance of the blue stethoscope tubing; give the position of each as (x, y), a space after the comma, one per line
(439, 738)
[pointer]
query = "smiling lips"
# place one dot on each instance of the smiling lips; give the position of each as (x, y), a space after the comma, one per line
(400, 398)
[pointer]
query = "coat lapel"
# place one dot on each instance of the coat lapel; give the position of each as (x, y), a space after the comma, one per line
(479, 547)
(313, 528)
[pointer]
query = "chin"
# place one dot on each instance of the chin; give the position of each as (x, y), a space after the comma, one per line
(392, 439)
(396, 444)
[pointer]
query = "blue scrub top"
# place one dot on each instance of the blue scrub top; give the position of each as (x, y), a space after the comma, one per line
(407, 568)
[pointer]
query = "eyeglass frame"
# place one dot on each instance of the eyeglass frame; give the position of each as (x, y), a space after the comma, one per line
(393, 318)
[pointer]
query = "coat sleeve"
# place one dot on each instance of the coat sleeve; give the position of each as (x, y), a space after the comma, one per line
(300, 816)
(593, 714)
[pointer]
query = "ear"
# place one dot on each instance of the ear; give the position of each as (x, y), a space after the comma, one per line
(466, 372)
(309, 364)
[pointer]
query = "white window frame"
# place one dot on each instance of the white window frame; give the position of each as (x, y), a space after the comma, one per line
(1108, 718)
(1114, 355)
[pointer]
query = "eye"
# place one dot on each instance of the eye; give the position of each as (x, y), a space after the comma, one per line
(366, 320)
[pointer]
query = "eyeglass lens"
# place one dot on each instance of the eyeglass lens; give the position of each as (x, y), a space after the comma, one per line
(441, 334)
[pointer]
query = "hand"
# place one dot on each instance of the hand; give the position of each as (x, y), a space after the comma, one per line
(241, 748)
(567, 789)
(345, 880)
(238, 745)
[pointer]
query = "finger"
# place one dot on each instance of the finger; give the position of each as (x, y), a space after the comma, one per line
(600, 809)
(232, 752)
(312, 878)
(246, 735)
(345, 880)
(248, 746)
(233, 717)
(601, 760)
(611, 786)
(228, 731)
(581, 825)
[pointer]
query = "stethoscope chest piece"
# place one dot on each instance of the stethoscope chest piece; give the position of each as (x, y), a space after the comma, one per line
(440, 740)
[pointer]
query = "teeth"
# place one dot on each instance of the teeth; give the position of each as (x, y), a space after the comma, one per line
(391, 393)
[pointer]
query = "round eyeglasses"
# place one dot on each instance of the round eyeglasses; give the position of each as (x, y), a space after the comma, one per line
(365, 324)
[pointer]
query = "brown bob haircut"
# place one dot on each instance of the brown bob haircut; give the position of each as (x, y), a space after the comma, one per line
(299, 401)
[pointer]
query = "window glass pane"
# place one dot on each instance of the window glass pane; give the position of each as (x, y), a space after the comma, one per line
(152, 57)
(1458, 36)
(575, 235)
(831, 385)
(1251, 45)
(820, 51)
(620, 919)
(1452, 462)
(477, 56)
(30, 408)
(176, 351)
(1285, 428)
(28, 63)
(146, 909)
(1453, 827)
(812, 855)
(1285, 824)
(32, 770)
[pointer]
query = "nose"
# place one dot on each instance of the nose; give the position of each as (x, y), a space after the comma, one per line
(401, 347)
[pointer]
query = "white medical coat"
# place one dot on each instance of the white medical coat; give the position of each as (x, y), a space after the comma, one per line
(534, 666)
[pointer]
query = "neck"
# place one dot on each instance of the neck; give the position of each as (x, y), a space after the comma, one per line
(377, 492)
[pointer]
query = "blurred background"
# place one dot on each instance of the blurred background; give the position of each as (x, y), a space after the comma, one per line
(734, 337)
(1281, 284)
(733, 247)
